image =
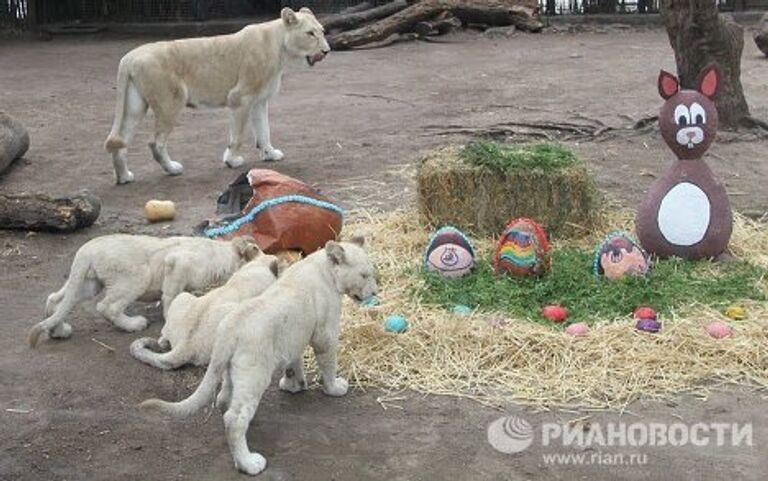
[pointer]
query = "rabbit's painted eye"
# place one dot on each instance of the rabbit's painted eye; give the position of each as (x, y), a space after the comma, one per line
(698, 116)
(682, 115)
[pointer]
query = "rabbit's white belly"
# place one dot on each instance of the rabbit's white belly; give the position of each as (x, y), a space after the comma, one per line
(684, 214)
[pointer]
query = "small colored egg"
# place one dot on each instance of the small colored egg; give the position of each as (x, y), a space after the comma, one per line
(372, 301)
(719, 329)
(644, 312)
(648, 325)
(462, 310)
(554, 313)
(396, 323)
(578, 329)
(737, 313)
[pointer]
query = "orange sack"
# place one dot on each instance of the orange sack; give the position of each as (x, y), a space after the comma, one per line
(281, 213)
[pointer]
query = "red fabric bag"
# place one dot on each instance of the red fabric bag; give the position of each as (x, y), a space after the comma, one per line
(282, 213)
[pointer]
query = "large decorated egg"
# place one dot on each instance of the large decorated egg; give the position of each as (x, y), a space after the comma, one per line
(619, 255)
(522, 249)
(449, 253)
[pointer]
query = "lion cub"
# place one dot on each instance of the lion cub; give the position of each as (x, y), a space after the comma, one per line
(270, 332)
(137, 267)
(190, 326)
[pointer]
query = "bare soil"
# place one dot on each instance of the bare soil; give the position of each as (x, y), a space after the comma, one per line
(353, 126)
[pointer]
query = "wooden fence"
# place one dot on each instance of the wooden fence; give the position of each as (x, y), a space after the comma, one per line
(562, 7)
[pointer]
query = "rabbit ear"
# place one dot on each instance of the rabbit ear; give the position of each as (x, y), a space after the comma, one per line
(709, 80)
(668, 84)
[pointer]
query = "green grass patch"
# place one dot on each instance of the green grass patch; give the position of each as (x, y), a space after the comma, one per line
(502, 157)
(672, 284)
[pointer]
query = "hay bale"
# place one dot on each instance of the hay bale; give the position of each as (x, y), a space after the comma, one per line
(482, 199)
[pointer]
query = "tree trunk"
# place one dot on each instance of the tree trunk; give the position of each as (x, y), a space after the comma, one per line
(443, 23)
(699, 35)
(356, 8)
(487, 12)
(40, 212)
(355, 19)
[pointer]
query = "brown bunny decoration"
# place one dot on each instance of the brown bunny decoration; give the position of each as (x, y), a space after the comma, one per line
(686, 212)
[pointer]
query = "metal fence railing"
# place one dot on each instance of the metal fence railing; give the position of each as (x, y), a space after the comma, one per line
(13, 14)
(562, 7)
(65, 11)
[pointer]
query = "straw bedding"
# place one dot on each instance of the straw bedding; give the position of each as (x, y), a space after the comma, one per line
(534, 364)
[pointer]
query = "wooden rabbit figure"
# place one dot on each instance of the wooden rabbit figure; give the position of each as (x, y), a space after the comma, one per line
(686, 212)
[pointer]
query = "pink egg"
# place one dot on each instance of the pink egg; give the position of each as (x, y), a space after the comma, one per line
(578, 329)
(450, 260)
(719, 329)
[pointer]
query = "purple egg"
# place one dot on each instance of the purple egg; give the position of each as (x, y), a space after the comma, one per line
(648, 325)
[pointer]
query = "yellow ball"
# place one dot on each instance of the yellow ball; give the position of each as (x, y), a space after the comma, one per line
(159, 210)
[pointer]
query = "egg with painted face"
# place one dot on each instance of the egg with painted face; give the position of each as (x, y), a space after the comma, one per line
(522, 249)
(449, 253)
(619, 255)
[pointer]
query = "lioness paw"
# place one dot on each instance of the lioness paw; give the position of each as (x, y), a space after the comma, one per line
(232, 160)
(125, 178)
(252, 463)
(173, 168)
(272, 155)
(339, 387)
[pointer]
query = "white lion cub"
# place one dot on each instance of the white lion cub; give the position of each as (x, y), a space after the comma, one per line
(270, 332)
(190, 326)
(136, 267)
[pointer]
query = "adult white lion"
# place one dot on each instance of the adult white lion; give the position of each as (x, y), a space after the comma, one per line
(241, 71)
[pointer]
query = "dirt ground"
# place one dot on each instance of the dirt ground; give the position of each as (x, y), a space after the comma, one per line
(353, 126)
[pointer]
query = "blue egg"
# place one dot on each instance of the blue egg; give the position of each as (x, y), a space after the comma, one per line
(372, 301)
(396, 324)
(462, 310)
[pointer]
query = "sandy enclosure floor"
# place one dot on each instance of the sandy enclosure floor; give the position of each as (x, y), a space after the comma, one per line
(353, 126)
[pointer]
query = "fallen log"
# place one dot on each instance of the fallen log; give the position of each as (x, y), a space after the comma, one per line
(443, 23)
(41, 212)
(355, 19)
(519, 13)
(357, 8)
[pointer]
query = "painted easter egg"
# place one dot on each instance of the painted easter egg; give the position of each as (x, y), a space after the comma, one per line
(577, 330)
(554, 313)
(396, 323)
(737, 313)
(450, 253)
(648, 325)
(619, 255)
(645, 312)
(522, 249)
(719, 329)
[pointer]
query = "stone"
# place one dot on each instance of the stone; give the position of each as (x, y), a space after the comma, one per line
(761, 34)
(14, 141)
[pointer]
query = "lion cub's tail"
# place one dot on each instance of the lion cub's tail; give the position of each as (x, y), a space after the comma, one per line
(222, 353)
(145, 350)
(114, 141)
(62, 302)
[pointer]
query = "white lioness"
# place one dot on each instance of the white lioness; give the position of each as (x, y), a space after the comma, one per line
(241, 71)
(136, 267)
(270, 332)
(190, 326)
